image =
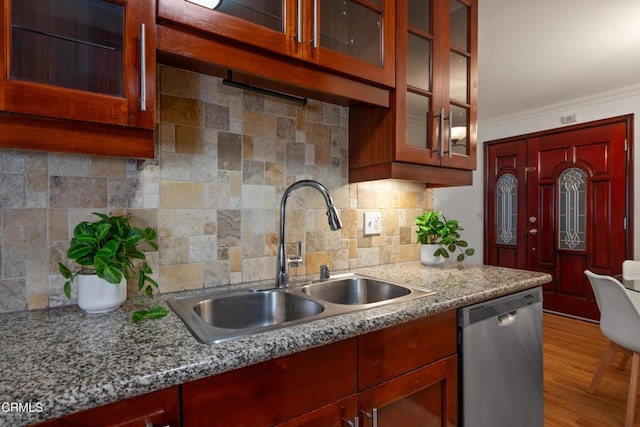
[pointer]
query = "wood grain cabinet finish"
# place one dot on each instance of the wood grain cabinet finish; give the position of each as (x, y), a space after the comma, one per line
(429, 133)
(78, 76)
(350, 37)
(274, 391)
(406, 372)
(159, 408)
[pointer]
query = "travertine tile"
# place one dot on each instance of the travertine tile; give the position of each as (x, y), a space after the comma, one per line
(174, 194)
(189, 140)
(217, 117)
(229, 230)
(229, 151)
(174, 278)
(12, 295)
(12, 191)
(78, 192)
(110, 167)
(57, 225)
(181, 111)
(255, 123)
(202, 249)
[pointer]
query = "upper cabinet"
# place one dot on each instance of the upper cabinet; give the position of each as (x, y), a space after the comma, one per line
(429, 134)
(89, 64)
(350, 37)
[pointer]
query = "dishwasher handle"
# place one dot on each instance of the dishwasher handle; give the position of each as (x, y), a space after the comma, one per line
(503, 308)
(507, 318)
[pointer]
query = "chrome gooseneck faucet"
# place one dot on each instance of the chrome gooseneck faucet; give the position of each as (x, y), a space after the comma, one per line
(282, 277)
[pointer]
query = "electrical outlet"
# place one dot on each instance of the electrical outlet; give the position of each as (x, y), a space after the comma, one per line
(372, 223)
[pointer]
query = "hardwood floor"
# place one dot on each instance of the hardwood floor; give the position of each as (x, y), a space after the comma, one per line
(572, 350)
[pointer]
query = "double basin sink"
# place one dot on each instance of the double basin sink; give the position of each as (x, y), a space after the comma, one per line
(217, 317)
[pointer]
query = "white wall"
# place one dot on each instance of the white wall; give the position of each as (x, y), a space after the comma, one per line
(466, 203)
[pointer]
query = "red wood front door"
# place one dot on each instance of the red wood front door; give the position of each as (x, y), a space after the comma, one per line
(557, 203)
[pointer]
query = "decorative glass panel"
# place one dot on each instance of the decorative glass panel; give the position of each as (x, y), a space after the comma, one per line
(507, 210)
(351, 28)
(572, 209)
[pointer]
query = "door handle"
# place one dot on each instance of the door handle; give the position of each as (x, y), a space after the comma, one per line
(143, 69)
(533, 231)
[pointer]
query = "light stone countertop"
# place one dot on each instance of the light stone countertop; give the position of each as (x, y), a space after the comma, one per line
(63, 360)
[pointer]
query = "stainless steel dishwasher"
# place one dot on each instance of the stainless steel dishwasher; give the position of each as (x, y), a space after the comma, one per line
(500, 342)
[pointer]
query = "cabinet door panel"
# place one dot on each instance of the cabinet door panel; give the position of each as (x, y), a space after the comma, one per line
(272, 391)
(337, 414)
(425, 397)
(80, 60)
(393, 351)
(156, 408)
(269, 24)
(351, 36)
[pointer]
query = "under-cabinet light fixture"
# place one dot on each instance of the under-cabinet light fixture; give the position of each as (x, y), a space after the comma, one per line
(229, 82)
(211, 4)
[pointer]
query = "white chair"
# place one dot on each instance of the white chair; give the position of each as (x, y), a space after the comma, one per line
(620, 322)
(631, 269)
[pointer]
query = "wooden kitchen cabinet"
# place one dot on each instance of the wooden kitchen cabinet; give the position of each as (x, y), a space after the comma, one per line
(346, 36)
(429, 133)
(77, 75)
(274, 391)
(159, 408)
(405, 372)
(424, 397)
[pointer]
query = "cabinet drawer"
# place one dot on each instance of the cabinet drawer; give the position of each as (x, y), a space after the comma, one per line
(272, 391)
(156, 408)
(390, 352)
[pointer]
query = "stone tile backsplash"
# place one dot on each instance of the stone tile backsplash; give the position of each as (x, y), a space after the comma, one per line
(224, 158)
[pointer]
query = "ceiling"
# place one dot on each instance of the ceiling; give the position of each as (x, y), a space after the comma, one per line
(536, 53)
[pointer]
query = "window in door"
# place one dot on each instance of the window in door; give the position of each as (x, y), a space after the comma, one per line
(507, 209)
(572, 212)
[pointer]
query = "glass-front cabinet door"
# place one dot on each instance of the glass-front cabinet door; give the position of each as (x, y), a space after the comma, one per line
(353, 37)
(438, 40)
(88, 60)
(274, 25)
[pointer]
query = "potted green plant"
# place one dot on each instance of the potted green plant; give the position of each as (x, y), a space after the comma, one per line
(105, 251)
(440, 237)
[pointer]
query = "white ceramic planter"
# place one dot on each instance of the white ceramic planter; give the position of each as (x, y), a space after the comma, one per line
(427, 257)
(96, 295)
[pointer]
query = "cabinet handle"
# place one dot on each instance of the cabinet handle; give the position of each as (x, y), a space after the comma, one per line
(374, 416)
(350, 423)
(143, 70)
(441, 136)
(299, 22)
(315, 24)
(450, 139)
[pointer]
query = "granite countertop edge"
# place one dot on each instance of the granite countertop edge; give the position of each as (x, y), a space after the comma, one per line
(61, 361)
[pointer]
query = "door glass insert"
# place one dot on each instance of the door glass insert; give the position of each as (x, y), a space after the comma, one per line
(507, 210)
(419, 16)
(459, 77)
(572, 209)
(459, 15)
(417, 120)
(266, 13)
(352, 29)
(418, 62)
(459, 130)
(76, 44)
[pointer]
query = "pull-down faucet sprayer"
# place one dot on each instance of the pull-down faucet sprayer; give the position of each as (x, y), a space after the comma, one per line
(282, 277)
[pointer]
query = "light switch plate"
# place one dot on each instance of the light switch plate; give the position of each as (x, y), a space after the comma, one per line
(372, 223)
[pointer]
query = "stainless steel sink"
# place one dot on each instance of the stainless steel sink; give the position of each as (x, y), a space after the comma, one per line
(217, 317)
(255, 310)
(355, 291)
